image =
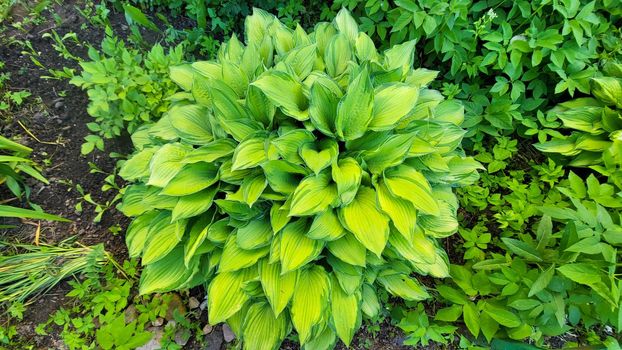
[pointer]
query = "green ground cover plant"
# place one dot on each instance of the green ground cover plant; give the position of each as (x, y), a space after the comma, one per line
(126, 88)
(281, 178)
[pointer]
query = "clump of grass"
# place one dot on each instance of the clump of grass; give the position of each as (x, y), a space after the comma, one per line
(27, 271)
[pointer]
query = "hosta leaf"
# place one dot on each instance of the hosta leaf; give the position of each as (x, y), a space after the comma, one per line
(390, 153)
(235, 258)
(227, 295)
(403, 286)
(392, 102)
(194, 204)
(252, 188)
(608, 90)
(337, 55)
(219, 231)
(166, 274)
(346, 312)
(348, 249)
(416, 248)
(309, 301)
(192, 124)
(166, 163)
(138, 166)
(285, 92)
(182, 75)
(260, 106)
(346, 24)
(402, 212)
(370, 305)
(296, 248)
(319, 156)
(283, 176)
(411, 185)
(313, 195)
(137, 233)
(262, 330)
(354, 112)
(278, 217)
(363, 218)
(323, 108)
(163, 237)
(347, 174)
(365, 48)
(277, 287)
(326, 226)
(400, 56)
(211, 152)
(250, 153)
(326, 340)
(301, 59)
(349, 277)
(196, 243)
(289, 143)
(255, 234)
(192, 178)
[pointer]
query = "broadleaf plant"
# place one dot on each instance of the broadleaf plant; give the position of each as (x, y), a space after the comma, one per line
(596, 125)
(293, 173)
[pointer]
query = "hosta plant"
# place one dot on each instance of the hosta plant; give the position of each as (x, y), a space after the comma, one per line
(294, 176)
(596, 124)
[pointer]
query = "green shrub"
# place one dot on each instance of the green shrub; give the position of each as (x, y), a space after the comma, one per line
(295, 176)
(126, 88)
(551, 277)
(505, 59)
(596, 124)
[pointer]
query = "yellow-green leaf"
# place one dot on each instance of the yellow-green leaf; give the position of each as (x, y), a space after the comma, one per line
(235, 258)
(354, 112)
(347, 174)
(402, 212)
(296, 248)
(348, 249)
(227, 295)
(192, 179)
(262, 330)
(409, 184)
(313, 195)
(392, 102)
(309, 301)
(326, 226)
(363, 218)
(346, 312)
(277, 287)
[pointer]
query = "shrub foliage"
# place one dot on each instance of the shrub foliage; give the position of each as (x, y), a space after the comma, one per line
(295, 175)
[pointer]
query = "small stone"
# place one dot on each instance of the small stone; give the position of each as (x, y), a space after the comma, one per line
(181, 338)
(157, 322)
(193, 303)
(130, 313)
(154, 343)
(203, 305)
(227, 333)
(208, 329)
(59, 105)
(214, 341)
